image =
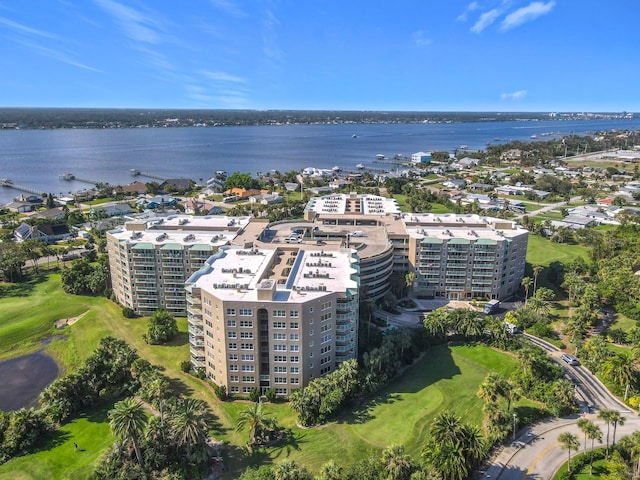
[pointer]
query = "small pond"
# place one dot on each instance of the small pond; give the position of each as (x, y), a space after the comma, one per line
(23, 378)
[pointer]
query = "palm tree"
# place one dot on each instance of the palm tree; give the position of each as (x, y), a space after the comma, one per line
(158, 389)
(253, 417)
(330, 471)
(488, 390)
(396, 463)
(606, 415)
(447, 459)
(536, 271)
(290, 470)
(616, 419)
(189, 423)
(409, 277)
(569, 442)
(127, 421)
(584, 424)
(526, 284)
(446, 427)
(437, 322)
(632, 445)
(621, 370)
(594, 433)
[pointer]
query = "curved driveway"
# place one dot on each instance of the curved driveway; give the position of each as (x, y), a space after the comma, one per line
(536, 452)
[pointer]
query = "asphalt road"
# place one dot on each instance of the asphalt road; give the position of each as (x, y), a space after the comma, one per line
(536, 452)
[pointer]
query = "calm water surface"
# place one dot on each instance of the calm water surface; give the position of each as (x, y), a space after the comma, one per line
(23, 378)
(36, 158)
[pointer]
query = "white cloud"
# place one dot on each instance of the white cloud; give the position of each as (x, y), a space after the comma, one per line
(270, 48)
(229, 7)
(58, 55)
(486, 19)
(464, 16)
(224, 77)
(24, 29)
(526, 14)
(136, 25)
(420, 39)
(514, 96)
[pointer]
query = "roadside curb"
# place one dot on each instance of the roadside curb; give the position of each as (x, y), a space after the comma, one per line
(529, 440)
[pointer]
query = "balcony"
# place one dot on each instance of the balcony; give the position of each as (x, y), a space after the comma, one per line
(198, 362)
(195, 331)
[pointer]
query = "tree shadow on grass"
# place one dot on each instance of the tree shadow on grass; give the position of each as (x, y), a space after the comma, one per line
(181, 388)
(21, 289)
(436, 364)
(181, 339)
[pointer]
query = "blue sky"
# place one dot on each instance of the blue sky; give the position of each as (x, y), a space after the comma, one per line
(485, 55)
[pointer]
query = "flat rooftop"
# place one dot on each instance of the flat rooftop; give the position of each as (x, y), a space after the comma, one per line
(298, 274)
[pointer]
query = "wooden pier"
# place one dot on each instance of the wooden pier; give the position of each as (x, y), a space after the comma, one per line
(70, 176)
(5, 182)
(135, 172)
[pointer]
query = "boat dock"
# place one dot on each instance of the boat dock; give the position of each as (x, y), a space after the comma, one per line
(5, 182)
(135, 172)
(70, 176)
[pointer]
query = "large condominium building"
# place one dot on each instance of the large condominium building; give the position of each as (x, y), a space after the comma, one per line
(453, 256)
(273, 317)
(465, 256)
(151, 259)
(268, 311)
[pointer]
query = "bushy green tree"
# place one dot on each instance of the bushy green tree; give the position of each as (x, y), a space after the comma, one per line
(162, 327)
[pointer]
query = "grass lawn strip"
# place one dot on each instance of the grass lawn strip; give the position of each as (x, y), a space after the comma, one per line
(541, 251)
(57, 457)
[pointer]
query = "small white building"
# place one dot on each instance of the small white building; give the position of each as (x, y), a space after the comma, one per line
(421, 157)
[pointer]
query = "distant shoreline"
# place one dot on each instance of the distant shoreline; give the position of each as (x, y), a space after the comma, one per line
(108, 118)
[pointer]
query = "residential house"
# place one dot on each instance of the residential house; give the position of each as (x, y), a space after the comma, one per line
(43, 233)
(421, 157)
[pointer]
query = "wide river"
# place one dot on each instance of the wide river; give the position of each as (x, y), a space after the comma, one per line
(36, 158)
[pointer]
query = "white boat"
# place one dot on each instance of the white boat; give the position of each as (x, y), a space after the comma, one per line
(336, 169)
(134, 171)
(359, 166)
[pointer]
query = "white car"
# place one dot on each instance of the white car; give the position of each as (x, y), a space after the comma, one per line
(570, 359)
(293, 239)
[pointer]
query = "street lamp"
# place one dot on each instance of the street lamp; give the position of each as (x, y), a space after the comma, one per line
(515, 416)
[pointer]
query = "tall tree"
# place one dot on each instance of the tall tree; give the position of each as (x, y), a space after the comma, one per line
(607, 416)
(526, 284)
(616, 419)
(620, 368)
(569, 442)
(397, 463)
(127, 421)
(254, 418)
(536, 271)
(593, 433)
(189, 424)
(584, 424)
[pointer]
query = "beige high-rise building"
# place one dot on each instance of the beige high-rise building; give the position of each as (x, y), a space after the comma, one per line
(151, 259)
(273, 318)
(276, 305)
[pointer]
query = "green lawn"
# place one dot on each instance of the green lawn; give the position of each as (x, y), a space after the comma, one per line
(444, 378)
(435, 207)
(57, 459)
(541, 251)
(599, 469)
(29, 310)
